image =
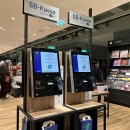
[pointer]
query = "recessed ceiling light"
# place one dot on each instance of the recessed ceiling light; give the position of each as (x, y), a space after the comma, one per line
(34, 34)
(48, 27)
(1, 28)
(13, 18)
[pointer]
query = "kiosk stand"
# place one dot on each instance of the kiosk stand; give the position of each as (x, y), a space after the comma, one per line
(41, 109)
(78, 103)
(76, 79)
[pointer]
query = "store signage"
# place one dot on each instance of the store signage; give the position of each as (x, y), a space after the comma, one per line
(38, 9)
(84, 51)
(51, 47)
(80, 20)
(119, 42)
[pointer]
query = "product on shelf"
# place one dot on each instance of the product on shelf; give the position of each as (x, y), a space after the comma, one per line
(124, 62)
(119, 83)
(85, 122)
(117, 62)
(129, 54)
(119, 79)
(115, 54)
(123, 53)
(128, 62)
(25, 123)
(49, 125)
(113, 72)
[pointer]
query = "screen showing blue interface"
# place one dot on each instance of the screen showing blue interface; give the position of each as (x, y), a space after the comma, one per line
(81, 63)
(45, 62)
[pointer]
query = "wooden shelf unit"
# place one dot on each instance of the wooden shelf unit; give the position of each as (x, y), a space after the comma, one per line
(50, 112)
(100, 93)
(85, 105)
(59, 115)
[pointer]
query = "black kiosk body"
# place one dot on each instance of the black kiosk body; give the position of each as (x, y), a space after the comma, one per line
(80, 72)
(45, 72)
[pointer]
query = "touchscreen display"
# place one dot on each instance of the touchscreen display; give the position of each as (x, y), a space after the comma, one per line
(45, 62)
(81, 63)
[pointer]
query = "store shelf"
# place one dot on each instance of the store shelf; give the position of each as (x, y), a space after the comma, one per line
(90, 108)
(85, 105)
(58, 114)
(101, 93)
(50, 112)
(119, 96)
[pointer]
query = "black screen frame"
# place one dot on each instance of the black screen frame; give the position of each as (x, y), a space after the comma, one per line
(47, 90)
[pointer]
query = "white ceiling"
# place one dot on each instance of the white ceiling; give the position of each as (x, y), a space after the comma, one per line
(13, 35)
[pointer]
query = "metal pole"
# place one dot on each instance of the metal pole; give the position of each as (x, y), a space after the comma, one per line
(90, 35)
(104, 117)
(63, 63)
(25, 61)
(17, 125)
(108, 106)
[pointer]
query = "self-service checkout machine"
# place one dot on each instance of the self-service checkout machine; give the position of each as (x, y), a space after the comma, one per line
(78, 82)
(43, 83)
(45, 73)
(80, 72)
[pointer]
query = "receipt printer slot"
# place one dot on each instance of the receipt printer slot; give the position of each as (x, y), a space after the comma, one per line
(50, 83)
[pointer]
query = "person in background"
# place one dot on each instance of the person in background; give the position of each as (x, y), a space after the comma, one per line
(4, 70)
(14, 70)
(97, 73)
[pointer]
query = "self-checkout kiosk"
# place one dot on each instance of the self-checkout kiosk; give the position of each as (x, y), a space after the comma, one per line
(45, 72)
(79, 72)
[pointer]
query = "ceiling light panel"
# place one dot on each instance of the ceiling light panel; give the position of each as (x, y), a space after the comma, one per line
(1, 28)
(13, 18)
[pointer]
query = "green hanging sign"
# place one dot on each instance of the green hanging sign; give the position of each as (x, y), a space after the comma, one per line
(84, 50)
(51, 47)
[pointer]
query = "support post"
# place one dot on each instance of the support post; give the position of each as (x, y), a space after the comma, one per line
(17, 121)
(90, 35)
(104, 118)
(25, 62)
